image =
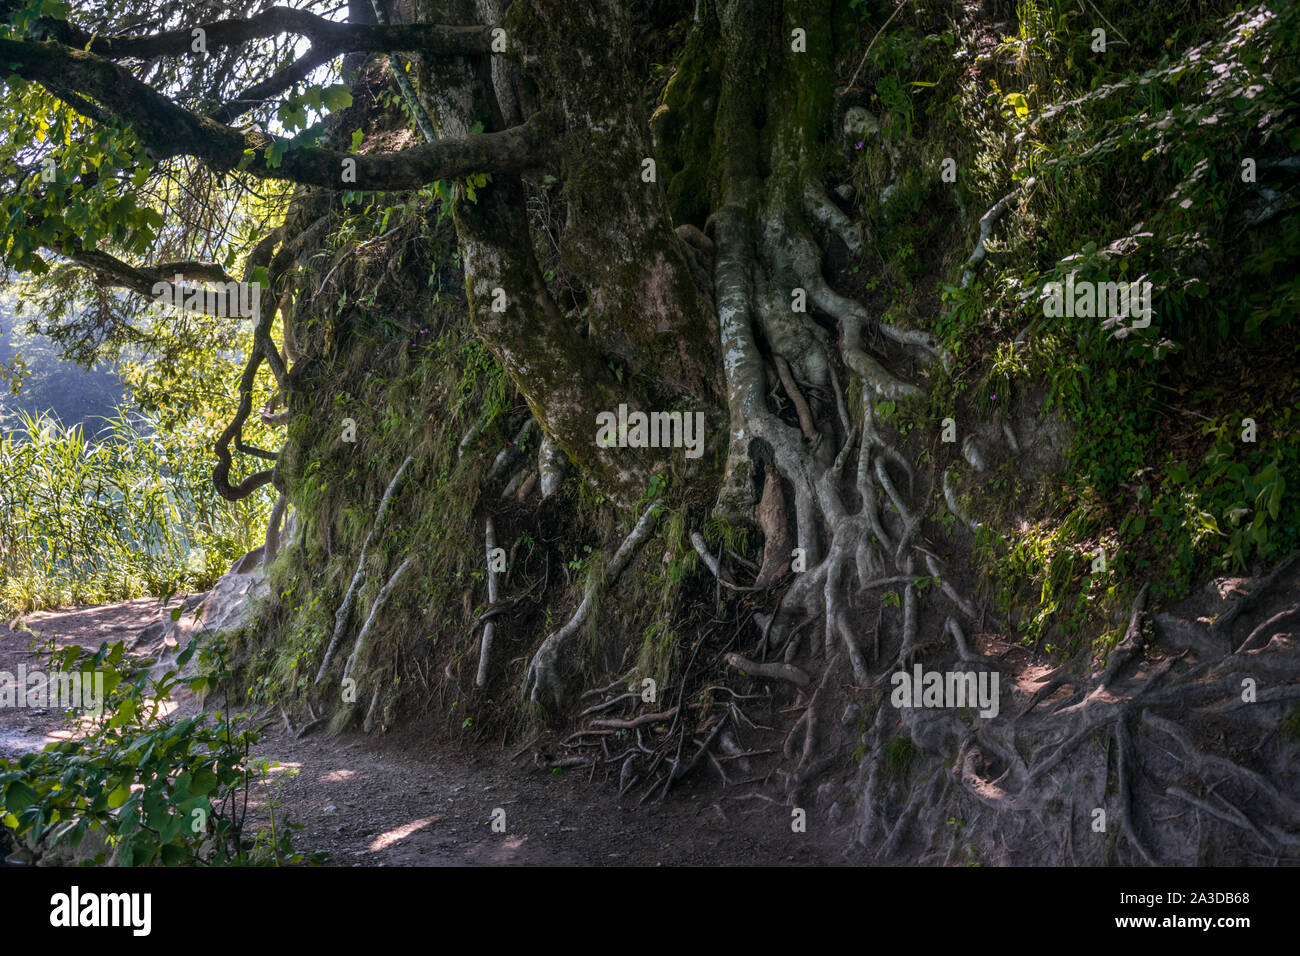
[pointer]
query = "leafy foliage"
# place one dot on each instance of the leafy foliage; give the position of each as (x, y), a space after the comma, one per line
(130, 512)
(162, 792)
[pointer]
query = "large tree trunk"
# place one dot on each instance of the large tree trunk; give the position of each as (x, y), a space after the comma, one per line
(643, 309)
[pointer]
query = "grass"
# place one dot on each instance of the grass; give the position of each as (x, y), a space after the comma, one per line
(127, 514)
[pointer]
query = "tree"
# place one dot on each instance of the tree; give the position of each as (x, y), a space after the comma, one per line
(693, 242)
(518, 89)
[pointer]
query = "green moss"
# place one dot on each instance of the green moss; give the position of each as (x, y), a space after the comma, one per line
(683, 127)
(899, 755)
(1290, 726)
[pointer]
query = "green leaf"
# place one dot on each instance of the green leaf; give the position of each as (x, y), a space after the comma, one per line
(19, 796)
(204, 781)
(173, 855)
(119, 796)
(337, 97)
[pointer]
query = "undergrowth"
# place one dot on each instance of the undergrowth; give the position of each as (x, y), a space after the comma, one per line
(1161, 159)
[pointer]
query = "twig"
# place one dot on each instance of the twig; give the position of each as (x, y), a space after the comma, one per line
(854, 78)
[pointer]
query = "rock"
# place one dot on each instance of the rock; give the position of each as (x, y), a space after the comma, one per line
(860, 126)
(147, 635)
(228, 605)
(852, 714)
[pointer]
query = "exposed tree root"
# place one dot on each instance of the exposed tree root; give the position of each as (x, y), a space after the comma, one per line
(485, 648)
(1017, 778)
(987, 221)
(380, 600)
(772, 671)
(344, 612)
(543, 679)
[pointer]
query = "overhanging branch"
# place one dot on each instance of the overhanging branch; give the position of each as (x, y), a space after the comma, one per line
(169, 130)
(326, 36)
(113, 271)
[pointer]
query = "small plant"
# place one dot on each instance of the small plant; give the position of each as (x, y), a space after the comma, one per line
(899, 754)
(174, 793)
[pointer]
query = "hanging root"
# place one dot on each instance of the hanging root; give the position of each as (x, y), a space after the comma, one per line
(510, 454)
(702, 549)
(950, 498)
(822, 210)
(380, 600)
(987, 221)
(542, 682)
(485, 649)
(965, 606)
(552, 466)
(345, 609)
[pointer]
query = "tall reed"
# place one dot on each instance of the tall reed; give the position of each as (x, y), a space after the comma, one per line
(128, 513)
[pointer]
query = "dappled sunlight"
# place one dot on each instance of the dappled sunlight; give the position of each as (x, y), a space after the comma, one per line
(391, 837)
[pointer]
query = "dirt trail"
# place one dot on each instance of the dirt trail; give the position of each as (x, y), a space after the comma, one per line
(369, 801)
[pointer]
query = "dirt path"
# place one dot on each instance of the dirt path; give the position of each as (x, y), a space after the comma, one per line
(372, 802)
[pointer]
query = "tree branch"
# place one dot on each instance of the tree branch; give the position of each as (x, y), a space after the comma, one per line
(169, 130)
(259, 93)
(327, 36)
(142, 280)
